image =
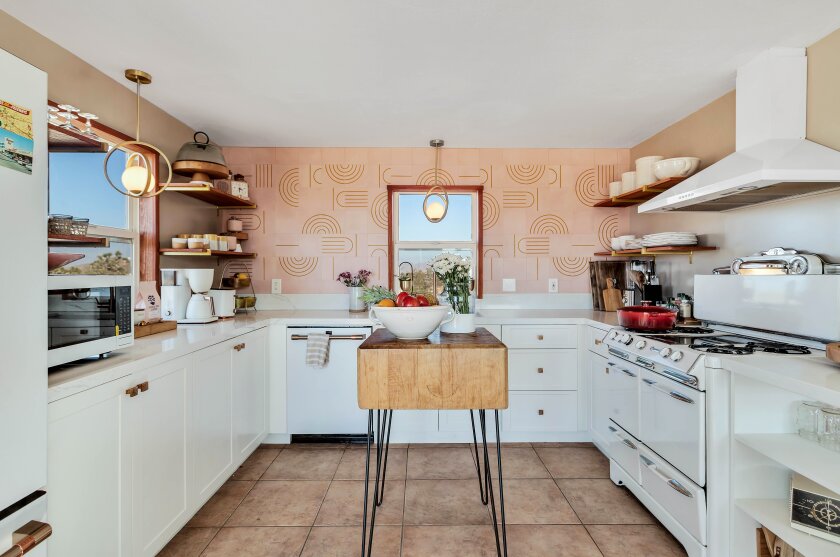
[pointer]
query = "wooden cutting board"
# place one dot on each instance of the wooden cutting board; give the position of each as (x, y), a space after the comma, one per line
(612, 297)
(832, 352)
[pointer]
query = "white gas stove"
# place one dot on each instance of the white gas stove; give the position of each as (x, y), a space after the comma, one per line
(661, 406)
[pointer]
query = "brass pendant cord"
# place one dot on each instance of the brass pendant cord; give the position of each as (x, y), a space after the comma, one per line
(437, 164)
(137, 134)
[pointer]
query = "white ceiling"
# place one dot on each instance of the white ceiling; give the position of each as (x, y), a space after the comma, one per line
(478, 73)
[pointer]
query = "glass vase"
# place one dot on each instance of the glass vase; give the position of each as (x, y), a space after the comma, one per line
(462, 299)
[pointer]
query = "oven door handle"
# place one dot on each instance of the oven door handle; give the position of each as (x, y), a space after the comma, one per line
(28, 538)
(672, 483)
(623, 439)
(332, 337)
(628, 372)
(673, 394)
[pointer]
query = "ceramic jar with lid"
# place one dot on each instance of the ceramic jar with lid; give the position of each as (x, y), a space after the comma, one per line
(234, 225)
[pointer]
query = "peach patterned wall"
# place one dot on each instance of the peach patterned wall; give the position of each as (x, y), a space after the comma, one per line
(323, 211)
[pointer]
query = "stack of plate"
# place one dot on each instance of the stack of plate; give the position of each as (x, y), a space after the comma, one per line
(669, 239)
(635, 243)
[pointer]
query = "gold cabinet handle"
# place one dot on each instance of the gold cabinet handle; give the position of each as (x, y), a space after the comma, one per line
(239, 347)
(539, 370)
(27, 538)
(539, 337)
(144, 386)
(133, 391)
(540, 412)
(598, 342)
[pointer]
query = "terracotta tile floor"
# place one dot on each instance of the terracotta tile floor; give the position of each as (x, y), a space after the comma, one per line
(306, 501)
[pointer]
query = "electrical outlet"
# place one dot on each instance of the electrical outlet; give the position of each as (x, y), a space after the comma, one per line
(276, 286)
(553, 285)
(508, 285)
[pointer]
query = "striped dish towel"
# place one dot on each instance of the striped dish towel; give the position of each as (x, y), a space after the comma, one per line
(317, 349)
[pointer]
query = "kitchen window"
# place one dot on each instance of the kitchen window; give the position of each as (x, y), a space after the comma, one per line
(417, 241)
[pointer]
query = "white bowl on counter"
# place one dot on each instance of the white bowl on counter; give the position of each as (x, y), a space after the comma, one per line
(414, 323)
(678, 167)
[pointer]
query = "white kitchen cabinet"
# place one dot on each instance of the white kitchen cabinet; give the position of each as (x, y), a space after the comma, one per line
(599, 406)
(542, 370)
(211, 432)
(87, 472)
(250, 392)
(540, 336)
(157, 423)
(541, 411)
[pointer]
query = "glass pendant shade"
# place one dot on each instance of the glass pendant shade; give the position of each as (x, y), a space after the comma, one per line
(136, 177)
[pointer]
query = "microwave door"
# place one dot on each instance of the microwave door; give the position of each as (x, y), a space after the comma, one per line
(80, 315)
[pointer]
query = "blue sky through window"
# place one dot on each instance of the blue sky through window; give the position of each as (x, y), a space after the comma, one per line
(78, 188)
(455, 227)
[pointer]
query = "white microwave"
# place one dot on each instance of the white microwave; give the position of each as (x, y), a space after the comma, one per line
(88, 315)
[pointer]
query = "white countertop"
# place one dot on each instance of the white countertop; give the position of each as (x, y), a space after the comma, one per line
(155, 349)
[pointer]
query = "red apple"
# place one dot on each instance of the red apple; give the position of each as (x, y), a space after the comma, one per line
(401, 297)
(410, 302)
(422, 301)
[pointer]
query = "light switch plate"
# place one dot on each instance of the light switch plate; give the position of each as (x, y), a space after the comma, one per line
(508, 285)
(276, 286)
(553, 285)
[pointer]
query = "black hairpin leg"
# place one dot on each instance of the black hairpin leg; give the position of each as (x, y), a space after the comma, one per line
(485, 481)
(383, 439)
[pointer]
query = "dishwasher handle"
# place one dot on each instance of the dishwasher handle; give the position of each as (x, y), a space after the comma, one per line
(332, 337)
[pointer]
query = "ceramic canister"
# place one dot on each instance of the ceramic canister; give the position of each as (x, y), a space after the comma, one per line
(644, 170)
(628, 181)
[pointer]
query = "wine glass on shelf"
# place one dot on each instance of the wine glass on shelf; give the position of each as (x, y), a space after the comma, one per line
(88, 131)
(69, 114)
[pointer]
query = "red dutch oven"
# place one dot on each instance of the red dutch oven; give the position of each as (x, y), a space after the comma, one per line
(647, 318)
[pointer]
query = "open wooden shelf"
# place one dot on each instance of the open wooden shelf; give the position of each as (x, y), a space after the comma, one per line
(241, 236)
(211, 195)
(661, 250)
(205, 253)
(640, 195)
(77, 240)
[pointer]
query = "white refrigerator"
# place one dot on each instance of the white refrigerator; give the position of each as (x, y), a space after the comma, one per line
(23, 297)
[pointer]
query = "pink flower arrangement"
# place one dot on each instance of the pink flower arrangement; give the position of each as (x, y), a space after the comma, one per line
(359, 279)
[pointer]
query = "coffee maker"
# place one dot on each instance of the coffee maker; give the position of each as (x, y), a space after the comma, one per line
(184, 296)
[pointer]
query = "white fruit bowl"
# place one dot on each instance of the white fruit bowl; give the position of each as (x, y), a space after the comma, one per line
(413, 323)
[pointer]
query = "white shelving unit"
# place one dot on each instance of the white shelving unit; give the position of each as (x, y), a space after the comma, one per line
(774, 514)
(800, 455)
(766, 451)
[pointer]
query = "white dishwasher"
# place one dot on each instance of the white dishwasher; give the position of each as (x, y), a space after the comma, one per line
(323, 401)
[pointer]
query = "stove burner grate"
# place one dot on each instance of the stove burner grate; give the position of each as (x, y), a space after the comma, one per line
(750, 348)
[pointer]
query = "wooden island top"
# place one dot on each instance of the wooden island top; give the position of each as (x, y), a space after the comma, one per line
(441, 372)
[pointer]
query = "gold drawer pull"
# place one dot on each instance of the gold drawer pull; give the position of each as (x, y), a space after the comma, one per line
(132, 391)
(540, 412)
(539, 370)
(144, 386)
(28, 538)
(539, 337)
(598, 342)
(239, 347)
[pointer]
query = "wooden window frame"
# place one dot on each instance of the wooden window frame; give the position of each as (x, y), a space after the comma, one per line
(479, 219)
(148, 209)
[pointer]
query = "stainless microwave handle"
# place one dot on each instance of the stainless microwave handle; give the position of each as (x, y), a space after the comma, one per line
(28, 538)
(332, 337)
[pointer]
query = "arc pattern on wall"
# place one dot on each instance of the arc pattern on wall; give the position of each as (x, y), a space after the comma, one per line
(571, 266)
(592, 185)
(549, 224)
(289, 187)
(344, 173)
(298, 266)
(607, 230)
(321, 224)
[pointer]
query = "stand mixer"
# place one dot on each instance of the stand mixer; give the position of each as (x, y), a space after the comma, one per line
(185, 296)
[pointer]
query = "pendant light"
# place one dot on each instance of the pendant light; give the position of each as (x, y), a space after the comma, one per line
(138, 179)
(436, 202)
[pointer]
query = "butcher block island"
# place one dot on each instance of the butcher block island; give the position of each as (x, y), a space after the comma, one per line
(441, 372)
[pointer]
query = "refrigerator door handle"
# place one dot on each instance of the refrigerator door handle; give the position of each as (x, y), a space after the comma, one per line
(28, 538)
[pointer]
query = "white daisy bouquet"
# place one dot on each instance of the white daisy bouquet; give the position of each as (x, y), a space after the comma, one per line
(454, 272)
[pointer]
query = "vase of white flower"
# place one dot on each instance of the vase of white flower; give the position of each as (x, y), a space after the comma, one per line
(454, 272)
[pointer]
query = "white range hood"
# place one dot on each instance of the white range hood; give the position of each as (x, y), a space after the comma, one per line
(773, 160)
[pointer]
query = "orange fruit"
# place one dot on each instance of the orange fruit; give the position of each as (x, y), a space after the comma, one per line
(387, 303)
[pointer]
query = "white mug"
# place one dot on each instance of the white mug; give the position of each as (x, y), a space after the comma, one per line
(628, 181)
